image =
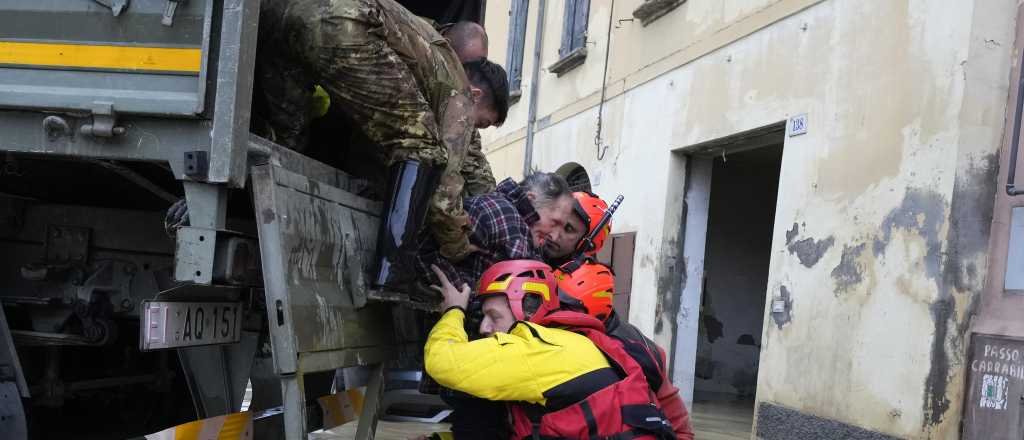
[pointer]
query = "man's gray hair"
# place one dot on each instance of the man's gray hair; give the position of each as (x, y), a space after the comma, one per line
(548, 187)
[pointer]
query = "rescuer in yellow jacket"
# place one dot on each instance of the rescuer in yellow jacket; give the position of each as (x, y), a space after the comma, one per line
(519, 360)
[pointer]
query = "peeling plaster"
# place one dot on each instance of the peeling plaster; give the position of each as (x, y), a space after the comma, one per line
(967, 242)
(671, 278)
(922, 212)
(808, 250)
(792, 233)
(954, 270)
(970, 223)
(849, 272)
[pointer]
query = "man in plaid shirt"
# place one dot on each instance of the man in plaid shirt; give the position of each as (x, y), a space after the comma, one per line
(512, 223)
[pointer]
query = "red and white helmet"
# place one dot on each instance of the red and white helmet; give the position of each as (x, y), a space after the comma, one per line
(517, 278)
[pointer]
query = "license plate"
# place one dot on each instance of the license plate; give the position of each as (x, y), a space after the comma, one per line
(188, 324)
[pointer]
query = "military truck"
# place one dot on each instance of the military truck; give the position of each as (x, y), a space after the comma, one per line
(110, 111)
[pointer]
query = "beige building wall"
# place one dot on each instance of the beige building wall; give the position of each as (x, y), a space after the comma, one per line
(905, 101)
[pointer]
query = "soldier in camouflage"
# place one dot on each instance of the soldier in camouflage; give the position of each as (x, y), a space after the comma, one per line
(469, 40)
(402, 83)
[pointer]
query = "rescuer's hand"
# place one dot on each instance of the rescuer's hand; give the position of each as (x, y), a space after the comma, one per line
(452, 297)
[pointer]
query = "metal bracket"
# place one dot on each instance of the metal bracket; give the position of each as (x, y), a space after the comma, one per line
(169, 8)
(115, 6)
(208, 256)
(194, 255)
(197, 164)
(67, 244)
(103, 120)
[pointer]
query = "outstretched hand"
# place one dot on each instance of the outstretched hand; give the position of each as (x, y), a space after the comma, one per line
(453, 297)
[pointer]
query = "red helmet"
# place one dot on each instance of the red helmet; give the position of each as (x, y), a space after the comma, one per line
(591, 208)
(517, 278)
(590, 286)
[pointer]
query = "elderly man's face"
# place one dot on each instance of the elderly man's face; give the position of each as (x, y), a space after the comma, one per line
(563, 243)
(553, 218)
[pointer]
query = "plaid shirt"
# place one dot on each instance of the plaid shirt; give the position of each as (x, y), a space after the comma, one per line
(500, 228)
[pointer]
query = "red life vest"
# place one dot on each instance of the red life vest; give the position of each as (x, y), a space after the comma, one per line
(626, 409)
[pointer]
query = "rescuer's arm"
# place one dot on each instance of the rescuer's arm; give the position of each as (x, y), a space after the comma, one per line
(493, 368)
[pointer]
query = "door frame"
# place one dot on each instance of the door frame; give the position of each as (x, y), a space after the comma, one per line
(697, 197)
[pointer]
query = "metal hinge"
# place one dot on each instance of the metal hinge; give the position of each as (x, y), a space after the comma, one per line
(103, 120)
(115, 6)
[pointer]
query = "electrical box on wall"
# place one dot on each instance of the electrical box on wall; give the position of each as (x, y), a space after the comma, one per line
(995, 394)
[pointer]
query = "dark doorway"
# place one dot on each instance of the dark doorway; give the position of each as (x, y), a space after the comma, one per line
(742, 196)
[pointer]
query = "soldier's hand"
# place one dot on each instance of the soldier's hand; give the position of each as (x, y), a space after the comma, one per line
(177, 216)
(453, 297)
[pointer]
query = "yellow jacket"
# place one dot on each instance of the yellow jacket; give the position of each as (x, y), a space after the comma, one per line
(516, 366)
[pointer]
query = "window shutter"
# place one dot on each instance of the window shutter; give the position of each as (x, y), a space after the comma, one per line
(623, 247)
(520, 14)
(510, 55)
(617, 254)
(516, 41)
(581, 16)
(567, 27)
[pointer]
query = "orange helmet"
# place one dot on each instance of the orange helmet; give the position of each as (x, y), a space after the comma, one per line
(590, 286)
(517, 278)
(591, 208)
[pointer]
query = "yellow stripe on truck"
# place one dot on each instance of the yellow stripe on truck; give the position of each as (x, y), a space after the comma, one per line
(101, 57)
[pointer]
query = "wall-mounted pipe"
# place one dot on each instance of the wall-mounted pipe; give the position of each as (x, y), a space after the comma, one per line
(1011, 175)
(598, 139)
(531, 117)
